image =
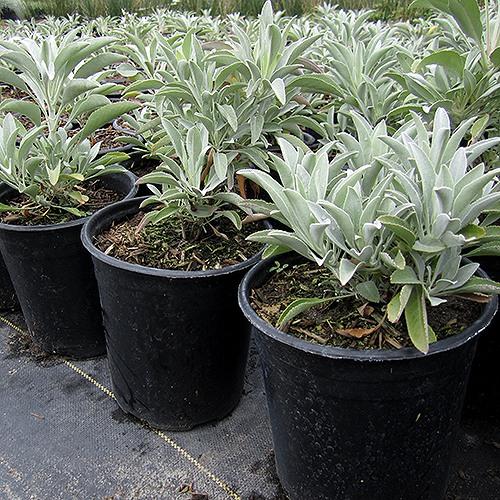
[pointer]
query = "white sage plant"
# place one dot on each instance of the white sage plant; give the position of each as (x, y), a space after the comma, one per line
(66, 104)
(59, 77)
(192, 182)
(397, 237)
(50, 169)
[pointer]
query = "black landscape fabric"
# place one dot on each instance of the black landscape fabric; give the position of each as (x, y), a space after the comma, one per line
(62, 436)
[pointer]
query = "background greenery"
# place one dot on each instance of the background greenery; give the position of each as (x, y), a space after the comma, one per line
(385, 9)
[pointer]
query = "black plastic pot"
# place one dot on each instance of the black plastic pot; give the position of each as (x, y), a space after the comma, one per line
(126, 148)
(8, 298)
(308, 139)
(351, 424)
(54, 280)
(123, 130)
(177, 342)
(483, 392)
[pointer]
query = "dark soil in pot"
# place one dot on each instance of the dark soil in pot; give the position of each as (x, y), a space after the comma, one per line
(54, 280)
(177, 342)
(361, 423)
(165, 246)
(99, 191)
(8, 92)
(347, 323)
(117, 80)
(108, 136)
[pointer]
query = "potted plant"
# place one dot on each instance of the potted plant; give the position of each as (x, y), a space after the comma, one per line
(467, 77)
(168, 267)
(50, 185)
(360, 399)
(272, 64)
(52, 179)
(35, 93)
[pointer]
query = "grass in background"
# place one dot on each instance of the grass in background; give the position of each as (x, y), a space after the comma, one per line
(385, 9)
(96, 8)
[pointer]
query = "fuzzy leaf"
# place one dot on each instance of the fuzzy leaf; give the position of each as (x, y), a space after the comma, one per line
(298, 307)
(399, 227)
(479, 285)
(416, 319)
(25, 108)
(404, 276)
(449, 59)
(346, 271)
(398, 303)
(369, 291)
(103, 116)
(278, 86)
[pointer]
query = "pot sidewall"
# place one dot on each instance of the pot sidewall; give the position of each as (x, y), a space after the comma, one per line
(483, 391)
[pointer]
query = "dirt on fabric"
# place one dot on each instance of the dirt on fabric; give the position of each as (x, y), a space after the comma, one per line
(20, 344)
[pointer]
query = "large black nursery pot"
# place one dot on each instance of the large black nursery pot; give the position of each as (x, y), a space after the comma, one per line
(350, 424)
(177, 342)
(483, 392)
(54, 280)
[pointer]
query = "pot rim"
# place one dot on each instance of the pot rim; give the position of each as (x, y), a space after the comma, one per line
(125, 130)
(375, 355)
(64, 225)
(118, 149)
(122, 208)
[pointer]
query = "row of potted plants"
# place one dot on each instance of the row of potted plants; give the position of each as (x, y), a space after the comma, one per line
(52, 178)
(365, 312)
